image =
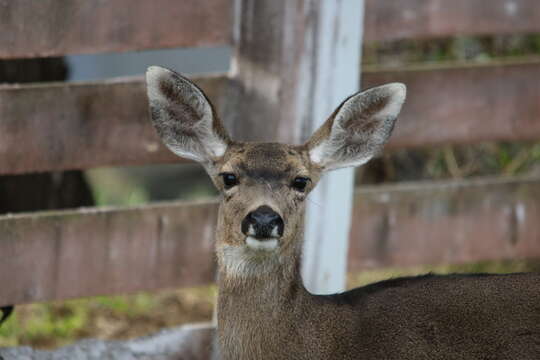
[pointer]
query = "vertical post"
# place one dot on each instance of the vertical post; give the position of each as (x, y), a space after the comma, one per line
(294, 61)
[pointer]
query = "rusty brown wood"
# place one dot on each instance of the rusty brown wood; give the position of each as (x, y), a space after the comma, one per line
(54, 28)
(390, 20)
(465, 104)
(67, 254)
(448, 223)
(76, 126)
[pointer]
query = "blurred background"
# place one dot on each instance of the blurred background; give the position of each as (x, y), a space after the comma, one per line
(119, 317)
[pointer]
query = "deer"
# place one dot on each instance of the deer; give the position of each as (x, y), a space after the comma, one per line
(263, 309)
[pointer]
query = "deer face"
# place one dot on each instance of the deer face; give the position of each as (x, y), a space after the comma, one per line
(264, 185)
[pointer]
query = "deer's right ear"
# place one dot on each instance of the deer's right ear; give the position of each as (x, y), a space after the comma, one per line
(183, 117)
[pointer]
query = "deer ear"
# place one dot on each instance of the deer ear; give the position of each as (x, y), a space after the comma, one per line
(183, 117)
(358, 128)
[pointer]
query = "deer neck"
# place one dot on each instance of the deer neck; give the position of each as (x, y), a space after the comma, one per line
(243, 271)
(257, 298)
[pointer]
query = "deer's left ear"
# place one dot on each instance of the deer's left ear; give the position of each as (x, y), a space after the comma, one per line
(358, 129)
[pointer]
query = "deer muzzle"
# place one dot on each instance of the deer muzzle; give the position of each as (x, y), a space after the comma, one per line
(263, 224)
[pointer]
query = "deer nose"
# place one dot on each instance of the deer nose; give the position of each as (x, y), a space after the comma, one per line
(263, 223)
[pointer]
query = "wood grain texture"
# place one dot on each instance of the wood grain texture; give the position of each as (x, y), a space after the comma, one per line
(266, 56)
(77, 126)
(59, 255)
(460, 105)
(445, 223)
(67, 254)
(423, 19)
(54, 28)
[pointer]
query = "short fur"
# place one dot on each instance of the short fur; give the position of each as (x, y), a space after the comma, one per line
(264, 311)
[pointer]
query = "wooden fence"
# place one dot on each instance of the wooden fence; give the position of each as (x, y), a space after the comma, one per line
(56, 126)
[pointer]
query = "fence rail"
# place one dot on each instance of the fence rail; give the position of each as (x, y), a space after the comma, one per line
(76, 253)
(445, 223)
(56, 28)
(26, 29)
(423, 19)
(466, 104)
(78, 126)
(67, 254)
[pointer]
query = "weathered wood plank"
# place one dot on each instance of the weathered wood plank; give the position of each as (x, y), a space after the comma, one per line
(465, 104)
(67, 254)
(416, 19)
(76, 126)
(54, 28)
(446, 223)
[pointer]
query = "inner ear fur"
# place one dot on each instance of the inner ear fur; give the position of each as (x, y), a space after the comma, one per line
(183, 116)
(358, 128)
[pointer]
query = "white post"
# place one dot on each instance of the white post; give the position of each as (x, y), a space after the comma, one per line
(294, 61)
(329, 209)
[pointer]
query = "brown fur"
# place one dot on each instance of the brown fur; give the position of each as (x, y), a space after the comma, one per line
(272, 316)
(264, 311)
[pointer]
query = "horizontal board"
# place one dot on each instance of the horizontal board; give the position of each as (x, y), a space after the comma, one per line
(77, 126)
(417, 19)
(445, 223)
(53, 28)
(65, 254)
(462, 105)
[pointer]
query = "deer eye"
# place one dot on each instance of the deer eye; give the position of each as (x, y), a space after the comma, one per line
(299, 183)
(229, 180)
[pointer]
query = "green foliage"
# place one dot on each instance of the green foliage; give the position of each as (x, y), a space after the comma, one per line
(108, 317)
(46, 320)
(112, 187)
(460, 48)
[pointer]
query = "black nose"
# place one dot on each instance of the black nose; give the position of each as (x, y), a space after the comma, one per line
(263, 223)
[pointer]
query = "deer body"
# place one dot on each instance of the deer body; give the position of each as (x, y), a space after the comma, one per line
(430, 317)
(264, 311)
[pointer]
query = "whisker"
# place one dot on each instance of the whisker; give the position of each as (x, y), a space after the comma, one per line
(313, 202)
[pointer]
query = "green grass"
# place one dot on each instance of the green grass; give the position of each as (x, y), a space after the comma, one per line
(61, 322)
(57, 324)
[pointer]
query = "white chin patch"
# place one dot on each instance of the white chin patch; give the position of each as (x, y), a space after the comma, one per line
(266, 244)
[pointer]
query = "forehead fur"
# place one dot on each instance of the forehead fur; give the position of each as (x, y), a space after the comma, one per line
(270, 161)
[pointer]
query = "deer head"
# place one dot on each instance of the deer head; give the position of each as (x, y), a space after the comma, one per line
(264, 185)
